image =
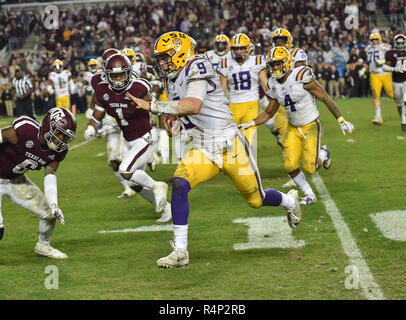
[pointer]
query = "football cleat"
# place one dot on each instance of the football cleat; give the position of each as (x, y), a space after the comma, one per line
(327, 162)
(403, 126)
(166, 215)
(128, 193)
(289, 184)
(308, 200)
(377, 121)
(294, 215)
(160, 190)
(47, 251)
(177, 259)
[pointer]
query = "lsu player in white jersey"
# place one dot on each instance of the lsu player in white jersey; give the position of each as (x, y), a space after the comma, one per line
(93, 67)
(221, 48)
(296, 90)
(218, 145)
(59, 81)
(240, 77)
(378, 77)
(281, 37)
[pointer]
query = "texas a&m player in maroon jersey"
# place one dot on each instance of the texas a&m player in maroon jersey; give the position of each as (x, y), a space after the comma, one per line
(140, 138)
(29, 145)
(396, 63)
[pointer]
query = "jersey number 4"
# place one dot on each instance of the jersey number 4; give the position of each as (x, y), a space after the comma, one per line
(289, 103)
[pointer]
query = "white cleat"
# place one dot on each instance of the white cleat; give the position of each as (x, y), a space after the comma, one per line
(128, 193)
(289, 184)
(377, 120)
(327, 162)
(166, 215)
(294, 214)
(160, 190)
(47, 251)
(309, 199)
(177, 259)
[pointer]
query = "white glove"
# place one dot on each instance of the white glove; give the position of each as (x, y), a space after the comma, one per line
(89, 113)
(90, 132)
(362, 72)
(380, 61)
(57, 212)
(246, 125)
(345, 126)
(399, 68)
(109, 121)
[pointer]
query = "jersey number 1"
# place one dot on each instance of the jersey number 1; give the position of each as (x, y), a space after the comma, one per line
(119, 112)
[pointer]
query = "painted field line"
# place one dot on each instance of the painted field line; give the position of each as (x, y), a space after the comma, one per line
(369, 287)
(79, 144)
(153, 228)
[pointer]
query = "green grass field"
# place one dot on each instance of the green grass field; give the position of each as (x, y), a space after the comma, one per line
(367, 176)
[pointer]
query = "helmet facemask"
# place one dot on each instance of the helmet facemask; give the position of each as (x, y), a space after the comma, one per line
(119, 79)
(280, 41)
(400, 43)
(57, 138)
(239, 57)
(165, 67)
(220, 47)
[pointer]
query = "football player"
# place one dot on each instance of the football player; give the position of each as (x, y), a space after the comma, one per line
(29, 145)
(93, 67)
(221, 46)
(140, 138)
(59, 79)
(296, 90)
(281, 37)
(240, 77)
(218, 144)
(396, 63)
(378, 77)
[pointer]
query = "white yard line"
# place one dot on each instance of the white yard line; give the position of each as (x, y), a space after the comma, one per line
(79, 144)
(369, 287)
(166, 227)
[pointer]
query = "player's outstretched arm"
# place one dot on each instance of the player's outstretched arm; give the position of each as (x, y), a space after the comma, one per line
(264, 116)
(51, 190)
(318, 91)
(8, 134)
(94, 121)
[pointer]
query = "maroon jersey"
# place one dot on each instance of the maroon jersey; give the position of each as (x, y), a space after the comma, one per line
(132, 121)
(396, 57)
(97, 78)
(27, 154)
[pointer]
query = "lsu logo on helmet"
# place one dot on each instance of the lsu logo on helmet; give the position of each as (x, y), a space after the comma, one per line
(281, 56)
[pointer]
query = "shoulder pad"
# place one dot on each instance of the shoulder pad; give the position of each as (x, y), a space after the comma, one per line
(199, 68)
(305, 75)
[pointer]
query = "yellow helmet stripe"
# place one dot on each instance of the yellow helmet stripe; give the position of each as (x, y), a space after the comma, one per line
(300, 73)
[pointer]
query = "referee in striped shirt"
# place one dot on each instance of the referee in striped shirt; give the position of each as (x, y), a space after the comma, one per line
(22, 88)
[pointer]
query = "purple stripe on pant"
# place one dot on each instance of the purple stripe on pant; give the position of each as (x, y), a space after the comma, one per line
(179, 201)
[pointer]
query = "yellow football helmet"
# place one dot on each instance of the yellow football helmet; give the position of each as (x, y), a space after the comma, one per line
(57, 65)
(221, 44)
(375, 36)
(276, 56)
(129, 54)
(92, 64)
(240, 40)
(285, 36)
(172, 50)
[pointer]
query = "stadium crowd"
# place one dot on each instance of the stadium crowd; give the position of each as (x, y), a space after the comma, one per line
(317, 26)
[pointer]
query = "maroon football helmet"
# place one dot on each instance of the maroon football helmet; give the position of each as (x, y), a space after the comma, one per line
(118, 71)
(58, 128)
(106, 55)
(400, 42)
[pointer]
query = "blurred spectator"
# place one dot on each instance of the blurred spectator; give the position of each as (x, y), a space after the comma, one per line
(7, 97)
(23, 88)
(333, 87)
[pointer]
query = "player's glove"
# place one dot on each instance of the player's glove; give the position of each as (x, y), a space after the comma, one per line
(89, 113)
(246, 125)
(90, 132)
(345, 126)
(57, 212)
